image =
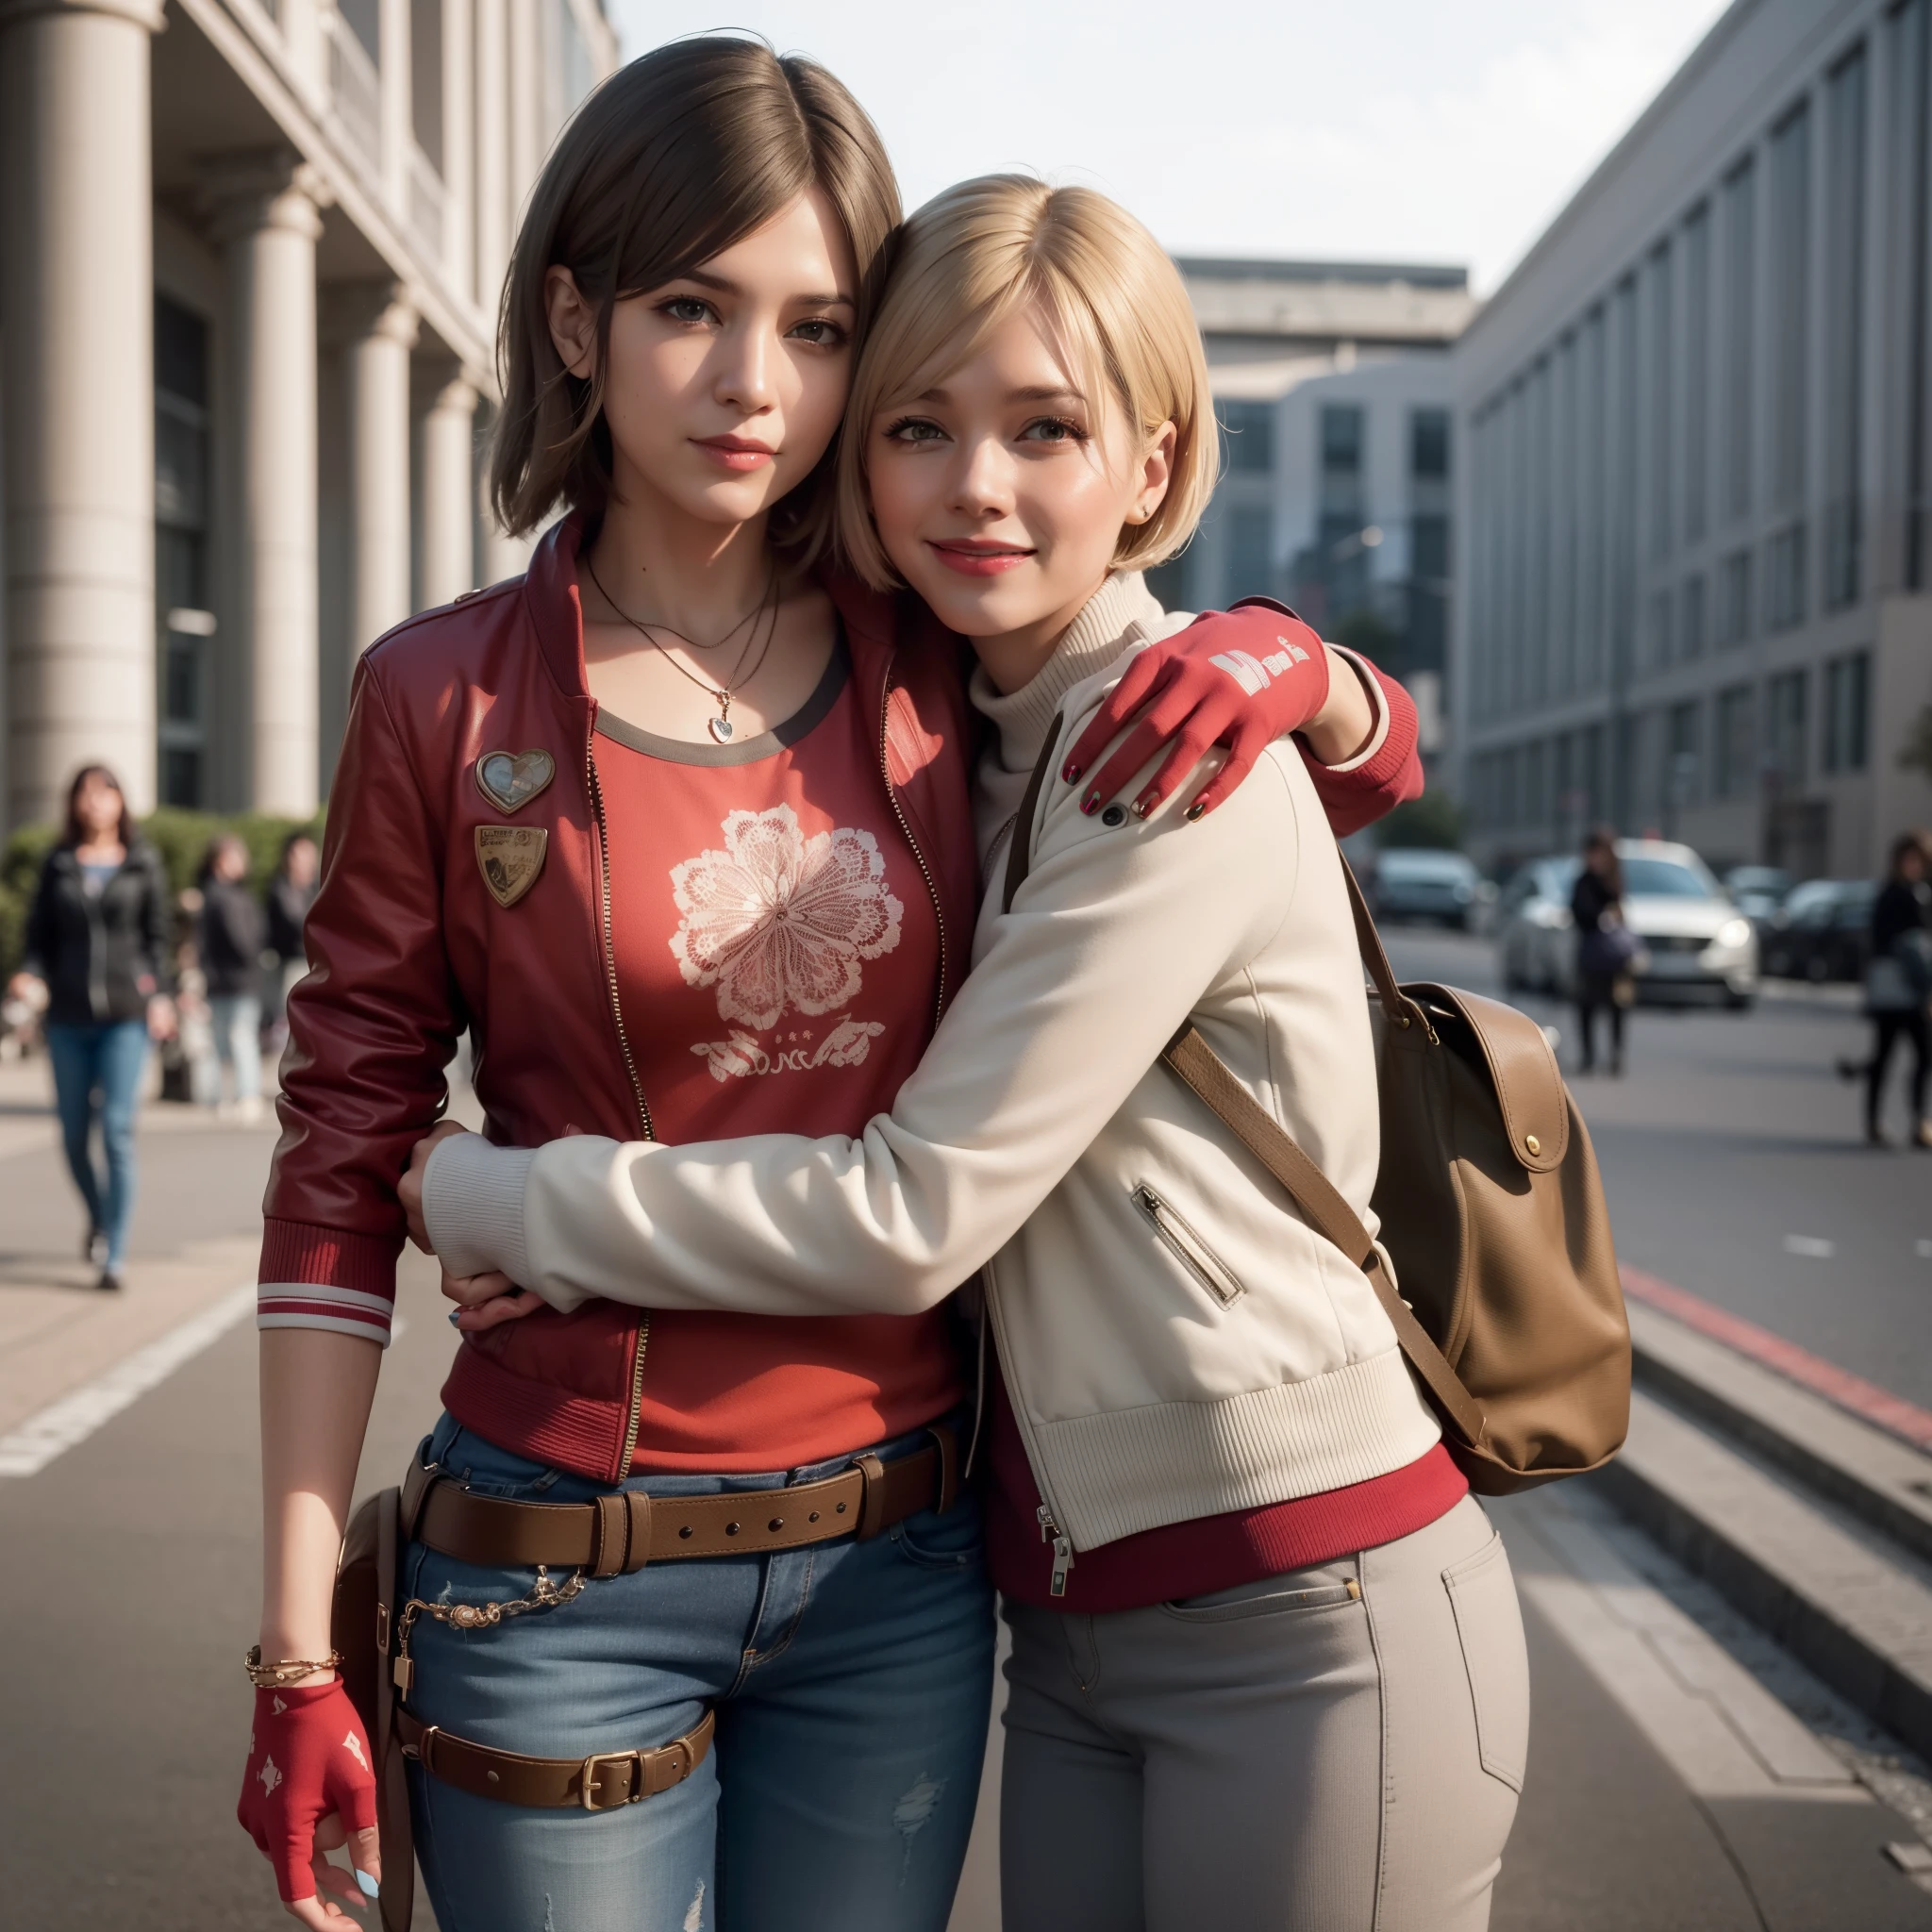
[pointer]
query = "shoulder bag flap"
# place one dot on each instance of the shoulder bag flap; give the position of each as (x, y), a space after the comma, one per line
(1522, 1069)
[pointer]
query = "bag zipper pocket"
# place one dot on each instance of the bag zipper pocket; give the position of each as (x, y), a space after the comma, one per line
(1192, 1253)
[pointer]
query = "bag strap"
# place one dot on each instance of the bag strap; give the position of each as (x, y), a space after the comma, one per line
(1206, 1076)
(1020, 850)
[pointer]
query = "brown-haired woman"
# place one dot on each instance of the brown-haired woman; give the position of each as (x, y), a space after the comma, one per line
(682, 813)
(98, 951)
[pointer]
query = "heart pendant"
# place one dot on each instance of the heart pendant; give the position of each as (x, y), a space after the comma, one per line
(719, 729)
(511, 779)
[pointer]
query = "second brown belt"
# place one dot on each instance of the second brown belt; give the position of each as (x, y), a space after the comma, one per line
(622, 1531)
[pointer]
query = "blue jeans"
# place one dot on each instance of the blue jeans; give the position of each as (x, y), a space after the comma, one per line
(108, 1060)
(237, 1017)
(852, 1683)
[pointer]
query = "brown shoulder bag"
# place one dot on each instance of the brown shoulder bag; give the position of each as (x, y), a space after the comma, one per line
(1492, 1214)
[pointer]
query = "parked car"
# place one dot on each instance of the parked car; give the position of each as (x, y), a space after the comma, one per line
(1415, 883)
(1822, 931)
(1758, 892)
(1696, 944)
(1533, 926)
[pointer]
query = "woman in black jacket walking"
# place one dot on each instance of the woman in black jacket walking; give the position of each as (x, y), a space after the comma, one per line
(98, 951)
(1897, 986)
(1605, 948)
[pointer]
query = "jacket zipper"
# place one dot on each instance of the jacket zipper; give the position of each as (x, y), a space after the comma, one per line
(1062, 1551)
(96, 948)
(1187, 1248)
(924, 871)
(634, 1413)
(938, 914)
(1050, 1530)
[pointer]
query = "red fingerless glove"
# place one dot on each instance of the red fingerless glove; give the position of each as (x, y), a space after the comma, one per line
(1239, 679)
(307, 1756)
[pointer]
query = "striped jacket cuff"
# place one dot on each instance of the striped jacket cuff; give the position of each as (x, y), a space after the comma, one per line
(313, 1305)
(325, 1277)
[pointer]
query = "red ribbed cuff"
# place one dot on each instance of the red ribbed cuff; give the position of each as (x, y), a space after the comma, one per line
(329, 1257)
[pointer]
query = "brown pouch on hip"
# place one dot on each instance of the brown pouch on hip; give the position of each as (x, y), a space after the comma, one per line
(360, 1627)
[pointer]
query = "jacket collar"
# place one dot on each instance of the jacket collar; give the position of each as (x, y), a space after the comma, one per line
(1120, 612)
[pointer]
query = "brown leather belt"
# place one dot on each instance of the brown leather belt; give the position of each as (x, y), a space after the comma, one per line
(601, 1782)
(615, 1534)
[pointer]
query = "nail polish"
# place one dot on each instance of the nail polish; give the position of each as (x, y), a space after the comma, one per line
(1091, 804)
(1070, 773)
(1195, 810)
(1144, 803)
(372, 1888)
(455, 1317)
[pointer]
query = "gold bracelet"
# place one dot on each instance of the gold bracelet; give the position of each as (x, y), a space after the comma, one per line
(284, 1671)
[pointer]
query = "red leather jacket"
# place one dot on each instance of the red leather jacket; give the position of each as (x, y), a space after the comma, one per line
(409, 947)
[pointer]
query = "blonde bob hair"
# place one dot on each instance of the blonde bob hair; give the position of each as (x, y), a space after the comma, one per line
(1113, 305)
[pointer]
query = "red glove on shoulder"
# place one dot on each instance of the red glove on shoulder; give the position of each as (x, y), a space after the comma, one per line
(1241, 677)
(308, 1757)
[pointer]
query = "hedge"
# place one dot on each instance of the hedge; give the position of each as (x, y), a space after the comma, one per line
(182, 839)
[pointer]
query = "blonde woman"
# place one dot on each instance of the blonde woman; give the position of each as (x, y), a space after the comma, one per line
(1267, 1663)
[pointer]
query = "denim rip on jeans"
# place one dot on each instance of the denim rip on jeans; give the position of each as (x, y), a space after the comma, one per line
(110, 1057)
(852, 1683)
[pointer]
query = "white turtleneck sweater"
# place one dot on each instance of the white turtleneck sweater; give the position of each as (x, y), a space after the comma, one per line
(1176, 1340)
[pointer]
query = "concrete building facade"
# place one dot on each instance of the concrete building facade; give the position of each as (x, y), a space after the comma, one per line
(1335, 390)
(250, 257)
(1693, 545)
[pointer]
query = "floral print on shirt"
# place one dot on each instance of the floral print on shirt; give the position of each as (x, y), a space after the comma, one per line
(779, 921)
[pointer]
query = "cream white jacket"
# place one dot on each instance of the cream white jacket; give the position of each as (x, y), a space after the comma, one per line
(1176, 1340)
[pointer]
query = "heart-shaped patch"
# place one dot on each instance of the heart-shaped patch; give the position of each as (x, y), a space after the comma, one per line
(511, 779)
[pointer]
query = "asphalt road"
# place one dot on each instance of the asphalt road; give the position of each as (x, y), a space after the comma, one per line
(129, 1592)
(1735, 1163)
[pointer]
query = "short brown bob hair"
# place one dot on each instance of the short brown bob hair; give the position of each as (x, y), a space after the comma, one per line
(1111, 295)
(675, 157)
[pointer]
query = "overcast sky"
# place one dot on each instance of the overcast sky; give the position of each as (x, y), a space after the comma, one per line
(1368, 129)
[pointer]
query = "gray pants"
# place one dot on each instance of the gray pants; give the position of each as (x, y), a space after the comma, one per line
(1331, 1750)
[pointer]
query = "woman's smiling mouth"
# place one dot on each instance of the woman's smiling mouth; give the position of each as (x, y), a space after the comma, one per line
(978, 556)
(736, 453)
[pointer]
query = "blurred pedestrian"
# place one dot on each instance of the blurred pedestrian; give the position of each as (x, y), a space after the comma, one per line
(233, 932)
(290, 894)
(1898, 982)
(98, 951)
(1606, 949)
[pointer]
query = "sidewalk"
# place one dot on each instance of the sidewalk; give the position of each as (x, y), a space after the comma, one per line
(196, 1236)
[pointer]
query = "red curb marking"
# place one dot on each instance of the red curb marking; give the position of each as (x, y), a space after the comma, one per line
(1864, 1399)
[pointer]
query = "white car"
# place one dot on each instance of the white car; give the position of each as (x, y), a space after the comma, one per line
(1697, 946)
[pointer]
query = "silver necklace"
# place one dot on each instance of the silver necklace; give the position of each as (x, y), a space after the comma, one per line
(720, 726)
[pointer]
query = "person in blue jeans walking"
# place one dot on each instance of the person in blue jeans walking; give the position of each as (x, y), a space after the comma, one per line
(97, 953)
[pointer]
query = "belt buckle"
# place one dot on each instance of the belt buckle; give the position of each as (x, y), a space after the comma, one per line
(591, 1783)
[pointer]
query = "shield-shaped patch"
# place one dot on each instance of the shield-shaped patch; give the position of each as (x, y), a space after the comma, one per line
(510, 858)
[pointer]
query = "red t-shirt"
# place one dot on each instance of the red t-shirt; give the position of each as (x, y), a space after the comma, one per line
(1182, 1559)
(777, 968)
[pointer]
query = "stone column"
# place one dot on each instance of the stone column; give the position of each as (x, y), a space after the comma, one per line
(303, 40)
(76, 291)
(492, 184)
(377, 362)
(396, 101)
(449, 507)
(458, 148)
(267, 214)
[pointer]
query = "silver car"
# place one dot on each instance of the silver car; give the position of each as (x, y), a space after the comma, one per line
(1697, 946)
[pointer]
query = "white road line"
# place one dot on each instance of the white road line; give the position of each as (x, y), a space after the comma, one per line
(28, 1449)
(1814, 1247)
